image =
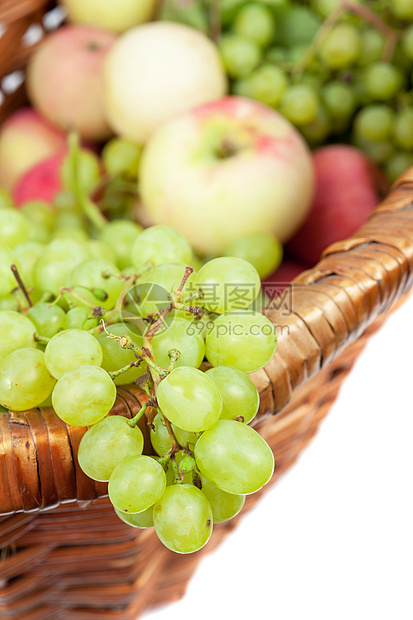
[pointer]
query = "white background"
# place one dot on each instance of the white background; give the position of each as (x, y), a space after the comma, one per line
(333, 539)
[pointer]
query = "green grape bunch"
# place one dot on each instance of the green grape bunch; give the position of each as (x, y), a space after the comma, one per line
(113, 304)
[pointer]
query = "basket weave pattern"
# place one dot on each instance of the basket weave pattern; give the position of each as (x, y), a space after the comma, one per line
(65, 555)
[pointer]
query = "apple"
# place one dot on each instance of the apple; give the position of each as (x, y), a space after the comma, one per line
(348, 188)
(158, 70)
(65, 79)
(227, 169)
(25, 140)
(116, 15)
(280, 279)
(42, 182)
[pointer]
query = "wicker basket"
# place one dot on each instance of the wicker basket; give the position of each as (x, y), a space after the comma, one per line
(65, 554)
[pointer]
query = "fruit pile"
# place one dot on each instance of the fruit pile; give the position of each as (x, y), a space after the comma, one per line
(135, 125)
(338, 70)
(134, 309)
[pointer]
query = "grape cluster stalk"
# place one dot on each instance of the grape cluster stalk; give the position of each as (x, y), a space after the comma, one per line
(87, 304)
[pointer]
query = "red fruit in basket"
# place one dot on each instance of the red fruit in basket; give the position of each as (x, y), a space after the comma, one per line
(348, 188)
(25, 140)
(65, 80)
(42, 182)
(280, 279)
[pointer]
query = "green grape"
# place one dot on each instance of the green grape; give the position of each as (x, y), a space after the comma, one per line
(379, 152)
(372, 46)
(184, 437)
(80, 318)
(240, 397)
(183, 338)
(141, 520)
(84, 176)
(407, 42)
(228, 283)
(341, 48)
(403, 129)
(296, 25)
(382, 81)
(202, 325)
(266, 84)
(189, 399)
(160, 439)
(275, 55)
(5, 200)
(240, 56)
(48, 320)
(58, 260)
(106, 444)
(27, 255)
(93, 277)
(402, 9)
(262, 250)
(324, 7)
(339, 99)
(9, 302)
(70, 349)
(398, 164)
(152, 293)
(100, 250)
(7, 279)
(256, 23)
(75, 233)
(69, 220)
(83, 395)
(121, 157)
(183, 518)
(25, 381)
(157, 245)
(234, 457)
(319, 129)
(115, 357)
(136, 483)
(245, 340)
(16, 332)
(374, 122)
(300, 104)
(14, 227)
(224, 505)
(121, 236)
(41, 220)
(190, 13)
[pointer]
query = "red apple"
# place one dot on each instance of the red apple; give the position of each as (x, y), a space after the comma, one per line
(347, 190)
(25, 140)
(286, 272)
(65, 82)
(42, 182)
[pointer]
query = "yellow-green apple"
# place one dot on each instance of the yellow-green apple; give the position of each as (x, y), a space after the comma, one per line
(224, 170)
(348, 188)
(65, 79)
(116, 15)
(25, 140)
(158, 70)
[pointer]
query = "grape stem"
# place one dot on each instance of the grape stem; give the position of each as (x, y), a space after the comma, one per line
(19, 281)
(215, 20)
(76, 295)
(116, 373)
(133, 421)
(41, 339)
(177, 474)
(175, 444)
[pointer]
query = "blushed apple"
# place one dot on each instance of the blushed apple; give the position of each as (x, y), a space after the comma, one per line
(348, 187)
(227, 169)
(65, 79)
(156, 71)
(116, 15)
(25, 140)
(42, 182)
